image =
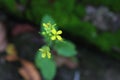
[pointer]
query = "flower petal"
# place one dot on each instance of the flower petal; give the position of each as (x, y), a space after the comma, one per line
(53, 31)
(49, 55)
(53, 25)
(53, 38)
(59, 32)
(45, 25)
(59, 38)
(43, 33)
(41, 49)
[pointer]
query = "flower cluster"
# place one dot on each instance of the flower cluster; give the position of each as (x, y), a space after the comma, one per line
(50, 34)
(45, 52)
(51, 31)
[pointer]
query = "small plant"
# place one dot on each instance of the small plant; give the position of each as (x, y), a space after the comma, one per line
(53, 42)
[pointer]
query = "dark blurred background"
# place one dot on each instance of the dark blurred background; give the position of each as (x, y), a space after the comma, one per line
(93, 25)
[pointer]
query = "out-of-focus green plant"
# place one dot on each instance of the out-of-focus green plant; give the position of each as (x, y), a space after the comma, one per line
(69, 14)
(53, 42)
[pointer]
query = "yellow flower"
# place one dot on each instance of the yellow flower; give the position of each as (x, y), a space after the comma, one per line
(43, 55)
(49, 55)
(45, 52)
(48, 25)
(51, 31)
(56, 34)
(45, 25)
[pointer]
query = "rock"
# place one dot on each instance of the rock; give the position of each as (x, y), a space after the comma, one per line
(102, 18)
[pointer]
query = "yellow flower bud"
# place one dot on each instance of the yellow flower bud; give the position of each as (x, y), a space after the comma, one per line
(45, 25)
(49, 55)
(43, 55)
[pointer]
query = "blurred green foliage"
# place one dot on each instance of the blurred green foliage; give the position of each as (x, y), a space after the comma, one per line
(68, 14)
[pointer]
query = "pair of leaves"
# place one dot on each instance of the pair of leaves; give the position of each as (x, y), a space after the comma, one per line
(46, 66)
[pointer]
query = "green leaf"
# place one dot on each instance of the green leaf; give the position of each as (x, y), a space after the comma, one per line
(65, 48)
(80, 10)
(10, 4)
(46, 66)
(28, 14)
(47, 19)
